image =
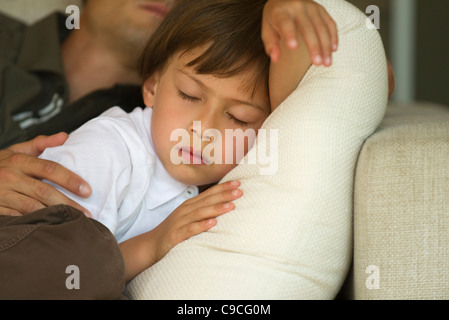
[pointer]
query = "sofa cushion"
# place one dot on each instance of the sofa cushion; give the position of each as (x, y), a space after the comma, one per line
(401, 205)
(290, 236)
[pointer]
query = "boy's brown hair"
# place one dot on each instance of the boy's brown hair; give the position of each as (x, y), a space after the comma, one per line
(230, 30)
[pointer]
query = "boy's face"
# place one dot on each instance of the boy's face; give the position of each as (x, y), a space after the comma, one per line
(197, 119)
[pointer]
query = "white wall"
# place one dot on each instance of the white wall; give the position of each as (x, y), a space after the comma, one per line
(403, 48)
(32, 10)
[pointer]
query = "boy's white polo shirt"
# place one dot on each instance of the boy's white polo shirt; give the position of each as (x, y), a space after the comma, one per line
(131, 190)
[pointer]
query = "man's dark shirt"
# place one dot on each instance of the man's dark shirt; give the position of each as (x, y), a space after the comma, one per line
(33, 89)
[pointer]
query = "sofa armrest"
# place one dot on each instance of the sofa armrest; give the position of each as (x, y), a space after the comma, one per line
(401, 207)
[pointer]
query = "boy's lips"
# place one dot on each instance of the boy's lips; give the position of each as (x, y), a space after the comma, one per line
(192, 156)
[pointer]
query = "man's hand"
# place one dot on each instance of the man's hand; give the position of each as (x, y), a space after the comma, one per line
(21, 172)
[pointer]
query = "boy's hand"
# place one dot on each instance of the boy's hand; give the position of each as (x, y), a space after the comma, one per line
(290, 20)
(195, 216)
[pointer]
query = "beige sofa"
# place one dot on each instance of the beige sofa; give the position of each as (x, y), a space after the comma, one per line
(401, 207)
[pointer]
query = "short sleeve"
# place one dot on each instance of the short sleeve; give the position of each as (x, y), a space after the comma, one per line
(100, 153)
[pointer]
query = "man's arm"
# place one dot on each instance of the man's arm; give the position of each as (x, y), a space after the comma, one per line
(391, 80)
(21, 172)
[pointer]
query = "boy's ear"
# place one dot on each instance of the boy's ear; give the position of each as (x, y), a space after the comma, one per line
(149, 90)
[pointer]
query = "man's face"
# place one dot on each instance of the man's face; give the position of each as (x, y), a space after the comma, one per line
(127, 23)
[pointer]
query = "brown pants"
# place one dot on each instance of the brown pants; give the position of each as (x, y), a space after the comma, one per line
(58, 253)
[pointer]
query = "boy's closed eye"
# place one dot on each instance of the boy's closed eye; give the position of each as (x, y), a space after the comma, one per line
(237, 121)
(187, 97)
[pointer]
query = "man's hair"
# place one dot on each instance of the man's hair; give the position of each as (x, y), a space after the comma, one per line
(229, 30)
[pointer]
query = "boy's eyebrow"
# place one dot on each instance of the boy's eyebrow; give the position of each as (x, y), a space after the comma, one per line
(198, 81)
(201, 84)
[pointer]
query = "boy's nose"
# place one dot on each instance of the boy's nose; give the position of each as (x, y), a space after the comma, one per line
(198, 129)
(204, 121)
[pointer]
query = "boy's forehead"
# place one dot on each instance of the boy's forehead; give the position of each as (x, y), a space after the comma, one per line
(248, 77)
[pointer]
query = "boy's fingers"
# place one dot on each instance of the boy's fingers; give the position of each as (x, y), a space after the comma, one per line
(221, 197)
(202, 220)
(324, 37)
(316, 28)
(194, 228)
(270, 39)
(326, 29)
(274, 53)
(199, 220)
(310, 37)
(212, 211)
(229, 185)
(200, 215)
(284, 26)
(216, 200)
(332, 27)
(287, 30)
(272, 49)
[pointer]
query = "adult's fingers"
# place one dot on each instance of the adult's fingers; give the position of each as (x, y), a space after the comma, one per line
(22, 156)
(21, 188)
(9, 212)
(13, 202)
(44, 169)
(37, 145)
(28, 195)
